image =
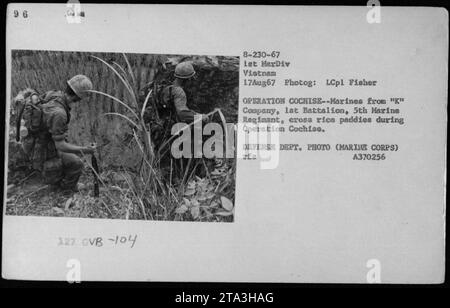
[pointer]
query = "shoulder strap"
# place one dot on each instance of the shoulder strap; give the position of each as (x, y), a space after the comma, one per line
(171, 100)
(54, 96)
(65, 109)
(173, 110)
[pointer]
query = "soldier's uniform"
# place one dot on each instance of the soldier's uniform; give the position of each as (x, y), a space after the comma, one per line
(58, 168)
(176, 97)
(175, 110)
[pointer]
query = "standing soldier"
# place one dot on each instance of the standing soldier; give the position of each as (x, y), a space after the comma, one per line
(174, 95)
(47, 144)
(170, 102)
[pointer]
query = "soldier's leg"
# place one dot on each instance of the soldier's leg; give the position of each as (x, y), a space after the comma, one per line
(52, 171)
(72, 169)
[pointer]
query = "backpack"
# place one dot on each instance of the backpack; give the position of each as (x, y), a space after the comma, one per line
(30, 114)
(28, 108)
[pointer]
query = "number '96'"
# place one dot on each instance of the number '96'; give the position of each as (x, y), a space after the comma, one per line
(18, 13)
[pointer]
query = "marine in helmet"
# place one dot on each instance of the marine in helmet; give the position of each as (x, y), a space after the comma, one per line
(174, 94)
(62, 166)
(172, 108)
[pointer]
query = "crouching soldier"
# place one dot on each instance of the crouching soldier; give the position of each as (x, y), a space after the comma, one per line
(46, 120)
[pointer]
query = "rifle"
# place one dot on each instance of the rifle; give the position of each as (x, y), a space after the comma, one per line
(96, 174)
(94, 163)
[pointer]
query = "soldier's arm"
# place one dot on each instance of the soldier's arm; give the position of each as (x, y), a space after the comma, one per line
(58, 129)
(185, 114)
(66, 147)
(188, 116)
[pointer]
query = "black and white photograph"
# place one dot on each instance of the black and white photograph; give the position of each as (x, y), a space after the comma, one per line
(90, 135)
